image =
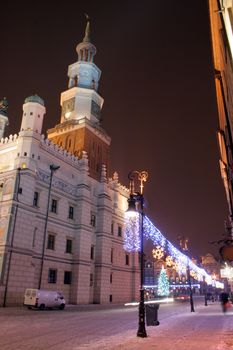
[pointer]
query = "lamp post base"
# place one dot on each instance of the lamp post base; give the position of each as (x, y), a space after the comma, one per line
(141, 333)
(141, 324)
(191, 303)
(205, 298)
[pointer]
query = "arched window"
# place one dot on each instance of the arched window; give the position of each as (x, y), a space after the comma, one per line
(93, 84)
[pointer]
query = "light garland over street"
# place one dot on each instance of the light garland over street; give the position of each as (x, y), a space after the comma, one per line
(151, 232)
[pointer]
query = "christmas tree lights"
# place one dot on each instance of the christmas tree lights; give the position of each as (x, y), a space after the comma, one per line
(163, 283)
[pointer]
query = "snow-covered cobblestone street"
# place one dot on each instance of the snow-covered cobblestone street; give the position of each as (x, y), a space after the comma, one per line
(114, 327)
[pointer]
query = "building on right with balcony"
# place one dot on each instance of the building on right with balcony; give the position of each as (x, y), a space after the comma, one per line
(221, 29)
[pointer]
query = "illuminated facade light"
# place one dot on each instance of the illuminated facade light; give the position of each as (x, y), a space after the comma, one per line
(67, 114)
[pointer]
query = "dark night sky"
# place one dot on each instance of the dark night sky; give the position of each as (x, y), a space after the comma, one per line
(157, 82)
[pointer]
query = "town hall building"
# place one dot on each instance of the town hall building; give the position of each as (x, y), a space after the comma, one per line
(61, 215)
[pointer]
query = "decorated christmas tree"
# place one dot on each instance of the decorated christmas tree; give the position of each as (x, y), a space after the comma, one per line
(163, 284)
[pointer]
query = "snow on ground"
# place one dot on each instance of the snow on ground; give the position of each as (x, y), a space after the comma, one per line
(95, 327)
(208, 328)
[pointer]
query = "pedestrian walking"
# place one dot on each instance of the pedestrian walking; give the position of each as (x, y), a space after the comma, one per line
(224, 298)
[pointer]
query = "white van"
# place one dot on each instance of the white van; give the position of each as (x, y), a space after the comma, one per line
(42, 299)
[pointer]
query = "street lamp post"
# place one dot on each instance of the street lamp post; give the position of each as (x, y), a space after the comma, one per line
(205, 290)
(190, 287)
(136, 203)
(184, 246)
(53, 168)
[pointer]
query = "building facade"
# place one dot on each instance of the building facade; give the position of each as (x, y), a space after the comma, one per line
(221, 30)
(211, 265)
(61, 216)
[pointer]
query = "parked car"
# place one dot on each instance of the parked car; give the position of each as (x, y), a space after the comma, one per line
(182, 297)
(39, 298)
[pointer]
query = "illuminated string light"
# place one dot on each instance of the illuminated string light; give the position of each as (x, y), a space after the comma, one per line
(180, 260)
(131, 236)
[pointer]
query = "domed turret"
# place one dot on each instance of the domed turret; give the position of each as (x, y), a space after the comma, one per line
(3, 116)
(33, 114)
(34, 98)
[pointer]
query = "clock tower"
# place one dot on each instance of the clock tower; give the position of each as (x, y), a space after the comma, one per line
(79, 129)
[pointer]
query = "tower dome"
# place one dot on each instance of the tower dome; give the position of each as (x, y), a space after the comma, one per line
(34, 98)
(3, 116)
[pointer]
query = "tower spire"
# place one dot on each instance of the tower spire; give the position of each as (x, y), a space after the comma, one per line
(86, 50)
(84, 73)
(81, 104)
(87, 38)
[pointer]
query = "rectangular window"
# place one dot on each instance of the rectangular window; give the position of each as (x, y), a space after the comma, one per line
(69, 245)
(67, 277)
(34, 237)
(51, 242)
(139, 258)
(111, 278)
(71, 212)
(92, 253)
(126, 259)
(119, 231)
(93, 220)
(112, 228)
(54, 206)
(91, 279)
(52, 277)
(111, 255)
(36, 199)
